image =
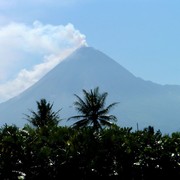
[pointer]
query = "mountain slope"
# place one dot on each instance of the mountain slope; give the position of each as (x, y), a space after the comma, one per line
(142, 102)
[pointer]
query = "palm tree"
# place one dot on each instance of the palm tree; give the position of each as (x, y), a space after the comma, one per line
(44, 117)
(92, 110)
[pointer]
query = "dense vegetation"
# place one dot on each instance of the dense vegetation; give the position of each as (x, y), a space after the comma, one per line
(93, 147)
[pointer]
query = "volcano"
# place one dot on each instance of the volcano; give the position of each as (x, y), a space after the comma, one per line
(140, 102)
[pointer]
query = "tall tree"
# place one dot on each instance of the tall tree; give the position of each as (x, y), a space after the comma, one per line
(45, 116)
(92, 110)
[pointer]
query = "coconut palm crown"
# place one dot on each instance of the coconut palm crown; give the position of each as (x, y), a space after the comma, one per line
(92, 110)
(45, 116)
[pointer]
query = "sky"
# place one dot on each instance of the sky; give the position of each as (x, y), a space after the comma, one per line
(141, 35)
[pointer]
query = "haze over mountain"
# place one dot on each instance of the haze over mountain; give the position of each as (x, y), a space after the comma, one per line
(140, 101)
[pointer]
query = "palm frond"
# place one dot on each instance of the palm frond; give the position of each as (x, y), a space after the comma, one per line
(81, 123)
(109, 107)
(109, 118)
(105, 123)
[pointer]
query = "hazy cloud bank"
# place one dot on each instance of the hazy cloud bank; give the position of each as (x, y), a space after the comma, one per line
(29, 52)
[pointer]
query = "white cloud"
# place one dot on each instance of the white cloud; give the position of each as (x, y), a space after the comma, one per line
(28, 52)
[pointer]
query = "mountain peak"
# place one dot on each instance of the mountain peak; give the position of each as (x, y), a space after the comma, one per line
(141, 102)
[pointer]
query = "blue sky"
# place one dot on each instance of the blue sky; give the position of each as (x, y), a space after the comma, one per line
(142, 35)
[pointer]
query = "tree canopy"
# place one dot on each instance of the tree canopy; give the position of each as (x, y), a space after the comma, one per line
(50, 151)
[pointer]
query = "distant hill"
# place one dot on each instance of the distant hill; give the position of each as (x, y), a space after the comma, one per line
(140, 101)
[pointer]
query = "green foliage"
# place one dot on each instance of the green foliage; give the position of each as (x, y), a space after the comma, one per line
(11, 151)
(116, 152)
(45, 150)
